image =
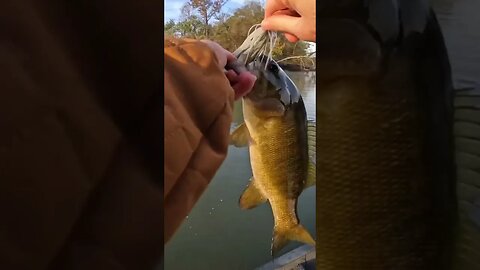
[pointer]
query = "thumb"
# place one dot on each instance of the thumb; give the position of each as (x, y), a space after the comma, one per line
(291, 37)
(282, 23)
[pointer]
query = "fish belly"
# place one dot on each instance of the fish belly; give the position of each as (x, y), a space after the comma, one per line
(278, 166)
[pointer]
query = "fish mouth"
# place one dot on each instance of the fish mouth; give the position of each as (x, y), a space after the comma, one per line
(275, 82)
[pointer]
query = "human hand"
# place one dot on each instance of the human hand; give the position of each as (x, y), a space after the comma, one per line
(296, 18)
(241, 83)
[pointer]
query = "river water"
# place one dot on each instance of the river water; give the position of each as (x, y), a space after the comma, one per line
(218, 235)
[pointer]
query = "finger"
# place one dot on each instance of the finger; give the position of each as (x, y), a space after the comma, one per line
(230, 57)
(222, 59)
(291, 37)
(221, 54)
(244, 85)
(282, 23)
(231, 76)
(272, 6)
(289, 12)
(286, 11)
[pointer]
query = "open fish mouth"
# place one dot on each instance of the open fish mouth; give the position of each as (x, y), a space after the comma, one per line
(255, 54)
(276, 83)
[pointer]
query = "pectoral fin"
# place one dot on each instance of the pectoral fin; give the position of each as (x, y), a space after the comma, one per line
(240, 136)
(312, 141)
(252, 196)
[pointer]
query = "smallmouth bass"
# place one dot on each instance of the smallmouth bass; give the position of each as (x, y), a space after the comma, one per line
(276, 132)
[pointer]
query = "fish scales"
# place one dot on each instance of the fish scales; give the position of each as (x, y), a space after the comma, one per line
(276, 132)
(371, 185)
(274, 140)
(385, 190)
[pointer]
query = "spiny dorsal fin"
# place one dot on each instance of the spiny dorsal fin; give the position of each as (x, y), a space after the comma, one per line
(240, 136)
(312, 176)
(312, 150)
(312, 140)
(252, 196)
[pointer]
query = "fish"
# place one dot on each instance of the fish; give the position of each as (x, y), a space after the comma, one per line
(275, 129)
(386, 189)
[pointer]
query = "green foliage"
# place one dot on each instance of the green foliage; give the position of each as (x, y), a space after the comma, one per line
(205, 19)
(170, 28)
(206, 10)
(190, 28)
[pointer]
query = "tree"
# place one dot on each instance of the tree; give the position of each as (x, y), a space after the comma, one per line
(231, 33)
(207, 9)
(170, 28)
(189, 25)
(190, 28)
(230, 30)
(187, 11)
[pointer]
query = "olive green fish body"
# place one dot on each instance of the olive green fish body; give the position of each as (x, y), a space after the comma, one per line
(278, 154)
(275, 131)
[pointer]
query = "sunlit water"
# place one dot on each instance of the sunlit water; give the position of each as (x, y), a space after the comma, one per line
(218, 234)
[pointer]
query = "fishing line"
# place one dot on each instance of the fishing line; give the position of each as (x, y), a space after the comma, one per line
(258, 45)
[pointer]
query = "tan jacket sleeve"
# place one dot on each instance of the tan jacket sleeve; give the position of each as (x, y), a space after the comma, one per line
(198, 114)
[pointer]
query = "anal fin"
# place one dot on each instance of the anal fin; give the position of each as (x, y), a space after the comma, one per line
(252, 196)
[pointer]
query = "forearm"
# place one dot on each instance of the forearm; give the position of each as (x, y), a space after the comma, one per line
(198, 112)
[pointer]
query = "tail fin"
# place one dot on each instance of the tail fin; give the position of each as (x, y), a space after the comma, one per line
(282, 237)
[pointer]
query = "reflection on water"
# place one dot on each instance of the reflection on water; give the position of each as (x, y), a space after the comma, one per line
(218, 234)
